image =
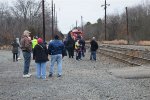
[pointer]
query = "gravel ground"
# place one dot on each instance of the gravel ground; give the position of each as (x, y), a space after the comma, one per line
(81, 80)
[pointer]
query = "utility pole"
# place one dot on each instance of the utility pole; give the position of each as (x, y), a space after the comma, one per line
(105, 7)
(82, 23)
(76, 24)
(127, 25)
(43, 12)
(52, 21)
(56, 20)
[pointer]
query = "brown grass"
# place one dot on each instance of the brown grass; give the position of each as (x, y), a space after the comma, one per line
(145, 43)
(123, 42)
(118, 42)
(5, 47)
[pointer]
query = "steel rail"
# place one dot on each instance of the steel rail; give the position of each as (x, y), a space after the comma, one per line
(127, 55)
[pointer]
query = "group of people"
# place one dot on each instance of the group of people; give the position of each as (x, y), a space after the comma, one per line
(40, 54)
(56, 49)
(77, 45)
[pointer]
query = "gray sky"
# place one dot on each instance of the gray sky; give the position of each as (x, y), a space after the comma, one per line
(70, 11)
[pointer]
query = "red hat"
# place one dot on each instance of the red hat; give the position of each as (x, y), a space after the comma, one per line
(40, 40)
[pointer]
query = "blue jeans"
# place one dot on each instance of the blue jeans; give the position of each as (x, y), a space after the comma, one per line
(41, 70)
(27, 60)
(93, 55)
(56, 58)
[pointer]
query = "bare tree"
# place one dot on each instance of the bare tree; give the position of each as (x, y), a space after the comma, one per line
(113, 22)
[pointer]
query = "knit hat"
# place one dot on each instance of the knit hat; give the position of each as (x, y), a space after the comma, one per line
(40, 40)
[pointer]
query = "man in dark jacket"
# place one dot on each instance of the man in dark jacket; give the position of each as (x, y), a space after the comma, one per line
(70, 46)
(56, 49)
(94, 47)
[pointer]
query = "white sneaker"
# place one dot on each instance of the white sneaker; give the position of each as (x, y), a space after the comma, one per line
(19, 58)
(29, 74)
(26, 76)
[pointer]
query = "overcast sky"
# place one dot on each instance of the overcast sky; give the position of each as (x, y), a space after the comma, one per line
(70, 11)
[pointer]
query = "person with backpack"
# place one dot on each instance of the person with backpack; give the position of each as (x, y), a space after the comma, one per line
(40, 55)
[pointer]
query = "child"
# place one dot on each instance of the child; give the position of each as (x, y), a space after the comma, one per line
(78, 50)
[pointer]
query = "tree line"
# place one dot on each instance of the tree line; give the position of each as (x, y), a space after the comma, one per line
(138, 21)
(22, 15)
(27, 14)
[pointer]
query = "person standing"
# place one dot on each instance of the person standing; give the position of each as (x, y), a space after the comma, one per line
(83, 49)
(34, 42)
(78, 48)
(70, 46)
(40, 55)
(19, 49)
(56, 50)
(94, 47)
(15, 50)
(26, 46)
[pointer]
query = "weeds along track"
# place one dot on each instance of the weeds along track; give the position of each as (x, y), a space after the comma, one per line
(132, 56)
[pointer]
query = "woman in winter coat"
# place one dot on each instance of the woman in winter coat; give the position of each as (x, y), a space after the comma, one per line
(15, 50)
(40, 55)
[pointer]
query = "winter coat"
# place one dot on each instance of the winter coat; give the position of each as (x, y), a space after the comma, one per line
(70, 43)
(94, 45)
(15, 47)
(56, 47)
(40, 53)
(34, 42)
(26, 44)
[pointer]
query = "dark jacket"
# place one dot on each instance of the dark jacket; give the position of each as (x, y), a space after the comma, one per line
(15, 47)
(70, 43)
(56, 47)
(82, 42)
(94, 45)
(40, 53)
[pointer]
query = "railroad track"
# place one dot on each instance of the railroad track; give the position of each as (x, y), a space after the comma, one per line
(127, 55)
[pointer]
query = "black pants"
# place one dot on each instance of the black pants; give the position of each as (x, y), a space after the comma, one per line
(15, 57)
(71, 52)
(78, 55)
